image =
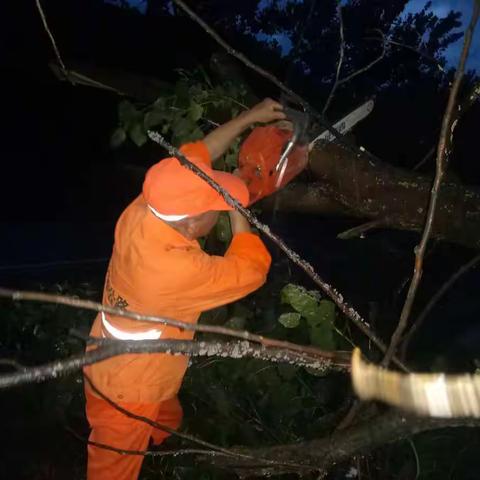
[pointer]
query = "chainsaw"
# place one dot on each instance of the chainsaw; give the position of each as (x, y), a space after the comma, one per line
(271, 156)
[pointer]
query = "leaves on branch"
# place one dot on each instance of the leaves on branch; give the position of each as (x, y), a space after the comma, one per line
(290, 320)
(183, 113)
(118, 137)
(319, 315)
(299, 298)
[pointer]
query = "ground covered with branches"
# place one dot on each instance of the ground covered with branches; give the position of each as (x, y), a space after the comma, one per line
(262, 418)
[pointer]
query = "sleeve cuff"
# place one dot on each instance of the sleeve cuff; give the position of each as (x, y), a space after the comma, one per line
(249, 245)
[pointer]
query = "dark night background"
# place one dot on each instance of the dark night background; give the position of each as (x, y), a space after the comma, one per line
(63, 186)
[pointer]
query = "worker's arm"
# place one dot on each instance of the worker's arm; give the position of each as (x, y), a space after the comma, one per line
(207, 281)
(219, 140)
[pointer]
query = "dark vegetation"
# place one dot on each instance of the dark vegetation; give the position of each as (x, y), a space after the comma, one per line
(74, 156)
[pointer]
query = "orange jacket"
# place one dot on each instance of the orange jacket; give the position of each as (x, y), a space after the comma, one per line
(155, 270)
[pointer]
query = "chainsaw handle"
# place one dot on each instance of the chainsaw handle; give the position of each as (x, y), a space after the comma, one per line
(299, 121)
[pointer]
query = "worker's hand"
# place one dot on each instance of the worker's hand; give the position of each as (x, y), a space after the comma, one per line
(266, 111)
(238, 223)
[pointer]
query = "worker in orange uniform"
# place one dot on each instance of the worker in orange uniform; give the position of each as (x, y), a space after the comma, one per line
(158, 268)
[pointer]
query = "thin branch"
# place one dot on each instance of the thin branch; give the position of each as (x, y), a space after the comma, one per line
(98, 307)
(190, 438)
(425, 159)
(443, 152)
(417, 459)
(52, 39)
(368, 66)
(145, 453)
(339, 137)
(154, 424)
(359, 230)
(434, 300)
(293, 256)
(413, 49)
(107, 348)
(341, 54)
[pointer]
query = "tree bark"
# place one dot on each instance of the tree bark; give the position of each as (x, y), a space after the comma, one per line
(348, 185)
(322, 454)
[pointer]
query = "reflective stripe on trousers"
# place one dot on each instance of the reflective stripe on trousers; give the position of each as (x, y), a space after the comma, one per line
(152, 334)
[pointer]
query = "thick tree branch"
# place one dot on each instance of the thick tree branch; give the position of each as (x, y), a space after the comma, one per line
(436, 395)
(352, 187)
(352, 314)
(242, 334)
(443, 151)
(107, 348)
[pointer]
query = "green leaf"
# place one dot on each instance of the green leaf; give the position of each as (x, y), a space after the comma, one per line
(127, 113)
(223, 229)
(154, 118)
(194, 135)
(181, 128)
(325, 313)
(138, 135)
(321, 323)
(118, 137)
(321, 336)
(195, 112)
(300, 299)
(290, 320)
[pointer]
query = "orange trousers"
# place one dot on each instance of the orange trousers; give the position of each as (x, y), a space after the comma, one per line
(113, 428)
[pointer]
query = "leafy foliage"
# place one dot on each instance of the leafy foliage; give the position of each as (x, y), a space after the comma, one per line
(290, 319)
(183, 113)
(318, 314)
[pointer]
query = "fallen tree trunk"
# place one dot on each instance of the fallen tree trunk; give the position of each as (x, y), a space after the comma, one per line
(322, 454)
(348, 185)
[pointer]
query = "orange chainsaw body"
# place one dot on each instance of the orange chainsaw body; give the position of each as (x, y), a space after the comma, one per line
(259, 157)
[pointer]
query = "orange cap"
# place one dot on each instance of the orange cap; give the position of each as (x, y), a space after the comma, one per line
(173, 190)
